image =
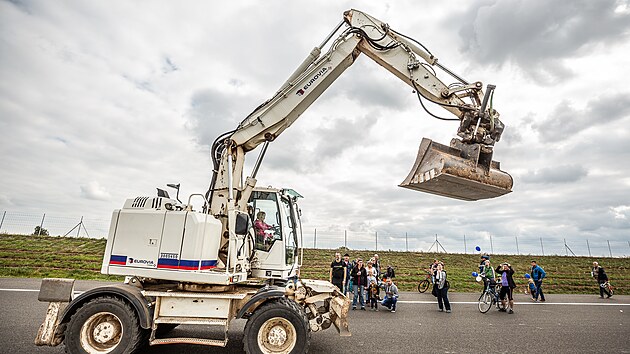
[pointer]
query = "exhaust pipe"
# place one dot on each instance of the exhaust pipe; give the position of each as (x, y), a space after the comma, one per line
(459, 171)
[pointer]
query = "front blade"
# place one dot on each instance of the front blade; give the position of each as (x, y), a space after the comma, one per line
(450, 172)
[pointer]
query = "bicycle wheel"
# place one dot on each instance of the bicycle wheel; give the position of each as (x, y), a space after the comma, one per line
(423, 286)
(485, 302)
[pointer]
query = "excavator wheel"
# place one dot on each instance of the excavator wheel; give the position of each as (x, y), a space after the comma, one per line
(278, 326)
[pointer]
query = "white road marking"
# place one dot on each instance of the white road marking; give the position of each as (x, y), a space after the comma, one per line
(518, 303)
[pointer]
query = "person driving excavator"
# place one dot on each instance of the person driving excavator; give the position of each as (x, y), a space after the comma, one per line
(261, 226)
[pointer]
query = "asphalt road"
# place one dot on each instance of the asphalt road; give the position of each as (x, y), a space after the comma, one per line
(563, 324)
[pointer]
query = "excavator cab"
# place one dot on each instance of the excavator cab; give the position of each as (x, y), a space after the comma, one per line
(461, 171)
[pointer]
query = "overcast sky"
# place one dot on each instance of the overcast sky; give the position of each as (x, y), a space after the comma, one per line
(105, 100)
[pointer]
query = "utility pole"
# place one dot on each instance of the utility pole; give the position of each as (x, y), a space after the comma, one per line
(345, 238)
(315, 239)
(589, 248)
(541, 247)
(491, 246)
(376, 238)
(5, 213)
(407, 242)
(41, 225)
(517, 251)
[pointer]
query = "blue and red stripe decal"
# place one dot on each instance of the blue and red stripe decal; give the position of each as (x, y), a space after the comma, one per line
(168, 263)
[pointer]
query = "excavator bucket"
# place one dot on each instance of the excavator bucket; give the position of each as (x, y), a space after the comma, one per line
(460, 171)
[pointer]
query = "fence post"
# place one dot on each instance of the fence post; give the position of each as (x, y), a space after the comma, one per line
(5, 213)
(41, 225)
(80, 224)
(541, 247)
(609, 250)
(315, 239)
(464, 244)
(345, 238)
(589, 248)
(518, 253)
(376, 237)
(407, 242)
(491, 246)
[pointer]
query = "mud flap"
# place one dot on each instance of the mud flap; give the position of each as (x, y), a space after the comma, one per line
(460, 171)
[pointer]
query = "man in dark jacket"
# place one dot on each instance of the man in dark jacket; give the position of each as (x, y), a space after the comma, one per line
(359, 280)
(599, 274)
(538, 274)
(507, 286)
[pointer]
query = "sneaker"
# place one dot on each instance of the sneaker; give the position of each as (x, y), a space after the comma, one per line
(354, 307)
(511, 311)
(376, 310)
(502, 310)
(393, 311)
(448, 311)
(441, 310)
(542, 300)
(363, 308)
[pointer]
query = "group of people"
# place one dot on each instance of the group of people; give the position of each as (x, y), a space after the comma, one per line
(365, 281)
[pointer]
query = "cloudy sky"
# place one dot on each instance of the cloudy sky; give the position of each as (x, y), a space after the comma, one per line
(103, 101)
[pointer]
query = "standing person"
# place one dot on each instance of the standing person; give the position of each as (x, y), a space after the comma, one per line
(507, 286)
(441, 288)
(349, 265)
(337, 272)
(391, 295)
(359, 279)
(600, 275)
(377, 265)
(538, 274)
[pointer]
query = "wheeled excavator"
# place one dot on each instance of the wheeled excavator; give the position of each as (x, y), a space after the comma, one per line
(206, 267)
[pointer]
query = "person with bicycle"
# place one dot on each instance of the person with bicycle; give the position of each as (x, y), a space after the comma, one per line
(602, 279)
(506, 272)
(488, 274)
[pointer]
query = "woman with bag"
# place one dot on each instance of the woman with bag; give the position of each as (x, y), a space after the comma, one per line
(440, 288)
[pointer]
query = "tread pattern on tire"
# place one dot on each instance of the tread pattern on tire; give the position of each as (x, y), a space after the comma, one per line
(290, 305)
(137, 339)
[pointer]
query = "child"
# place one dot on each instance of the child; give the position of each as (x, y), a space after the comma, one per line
(532, 287)
(373, 295)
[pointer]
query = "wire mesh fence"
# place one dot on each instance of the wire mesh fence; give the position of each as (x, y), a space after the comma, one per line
(42, 224)
(45, 224)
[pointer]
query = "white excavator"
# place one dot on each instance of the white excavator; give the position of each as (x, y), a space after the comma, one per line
(203, 268)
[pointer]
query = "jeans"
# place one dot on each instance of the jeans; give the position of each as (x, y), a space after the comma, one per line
(443, 297)
(390, 302)
(361, 293)
(539, 291)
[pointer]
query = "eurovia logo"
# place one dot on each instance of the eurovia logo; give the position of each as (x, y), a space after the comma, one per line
(310, 82)
(145, 262)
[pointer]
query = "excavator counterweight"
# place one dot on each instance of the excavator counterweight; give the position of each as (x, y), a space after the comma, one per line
(460, 171)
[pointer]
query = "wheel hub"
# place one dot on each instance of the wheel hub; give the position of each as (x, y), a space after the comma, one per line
(104, 332)
(277, 336)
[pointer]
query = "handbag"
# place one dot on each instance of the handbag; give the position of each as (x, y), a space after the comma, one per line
(434, 292)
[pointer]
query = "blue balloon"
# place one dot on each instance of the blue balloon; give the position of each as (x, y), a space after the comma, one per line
(527, 275)
(474, 274)
(478, 248)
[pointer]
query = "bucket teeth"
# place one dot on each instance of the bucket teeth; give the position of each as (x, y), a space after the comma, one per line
(460, 171)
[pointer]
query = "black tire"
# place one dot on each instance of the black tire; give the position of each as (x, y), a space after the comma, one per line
(423, 286)
(279, 326)
(485, 302)
(104, 325)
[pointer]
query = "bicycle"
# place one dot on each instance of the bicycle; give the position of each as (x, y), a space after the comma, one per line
(424, 283)
(489, 296)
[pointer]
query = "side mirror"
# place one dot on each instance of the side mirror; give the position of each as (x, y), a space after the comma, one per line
(242, 223)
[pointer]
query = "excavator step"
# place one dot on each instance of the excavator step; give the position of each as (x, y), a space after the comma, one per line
(192, 321)
(184, 340)
(460, 171)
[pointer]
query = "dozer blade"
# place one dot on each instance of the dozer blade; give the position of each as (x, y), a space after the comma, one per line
(460, 171)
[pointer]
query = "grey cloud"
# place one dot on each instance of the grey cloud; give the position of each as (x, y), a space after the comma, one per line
(213, 112)
(94, 191)
(565, 120)
(343, 134)
(537, 35)
(556, 174)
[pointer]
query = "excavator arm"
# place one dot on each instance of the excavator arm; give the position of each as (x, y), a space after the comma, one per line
(463, 170)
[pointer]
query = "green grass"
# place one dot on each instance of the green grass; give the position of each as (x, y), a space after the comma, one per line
(81, 258)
